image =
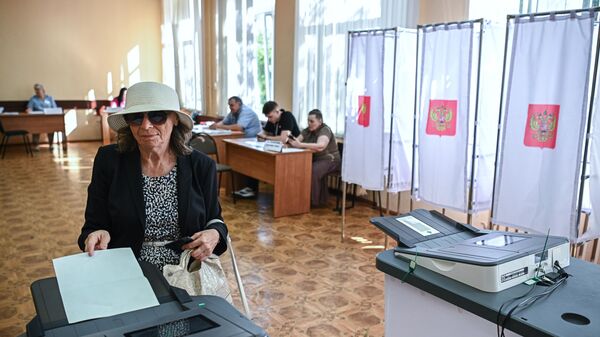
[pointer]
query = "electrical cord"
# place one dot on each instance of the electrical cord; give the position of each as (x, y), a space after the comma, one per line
(535, 277)
(528, 302)
(498, 317)
(562, 276)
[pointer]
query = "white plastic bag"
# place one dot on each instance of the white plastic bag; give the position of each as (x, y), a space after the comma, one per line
(199, 278)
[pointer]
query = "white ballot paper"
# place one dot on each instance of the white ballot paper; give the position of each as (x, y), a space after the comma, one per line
(109, 283)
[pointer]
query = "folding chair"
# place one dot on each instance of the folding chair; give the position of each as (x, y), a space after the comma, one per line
(206, 144)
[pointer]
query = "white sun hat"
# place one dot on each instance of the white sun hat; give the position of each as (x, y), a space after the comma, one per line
(149, 96)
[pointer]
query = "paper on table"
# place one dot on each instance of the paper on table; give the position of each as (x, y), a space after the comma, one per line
(292, 149)
(109, 283)
(199, 128)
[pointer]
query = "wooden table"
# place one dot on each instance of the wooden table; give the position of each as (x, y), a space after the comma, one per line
(36, 123)
(289, 172)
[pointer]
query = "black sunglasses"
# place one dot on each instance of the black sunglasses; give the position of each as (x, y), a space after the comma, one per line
(155, 117)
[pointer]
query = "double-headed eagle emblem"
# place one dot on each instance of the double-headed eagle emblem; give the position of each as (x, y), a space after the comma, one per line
(543, 125)
(441, 116)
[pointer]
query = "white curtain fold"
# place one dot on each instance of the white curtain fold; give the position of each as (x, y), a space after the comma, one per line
(592, 199)
(489, 107)
(539, 162)
(441, 174)
(182, 50)
(403, 86)
(363, 157)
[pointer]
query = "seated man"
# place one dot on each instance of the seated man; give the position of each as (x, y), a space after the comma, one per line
(281, 124)
(39, 102)
(239, 118)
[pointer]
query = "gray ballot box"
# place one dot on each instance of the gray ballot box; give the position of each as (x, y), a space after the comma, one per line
(177, 315)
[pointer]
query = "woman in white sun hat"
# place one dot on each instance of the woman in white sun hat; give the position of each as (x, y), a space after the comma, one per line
(151, 188)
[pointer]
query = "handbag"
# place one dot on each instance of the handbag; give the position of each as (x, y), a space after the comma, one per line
(199, 277)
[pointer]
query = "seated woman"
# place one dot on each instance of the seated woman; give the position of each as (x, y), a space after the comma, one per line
(151, 188)
(319, 138)
(119, 101)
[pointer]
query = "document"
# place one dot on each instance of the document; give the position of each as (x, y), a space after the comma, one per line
(291, 149)
(199, 128)
(109, 283)
(53, 111)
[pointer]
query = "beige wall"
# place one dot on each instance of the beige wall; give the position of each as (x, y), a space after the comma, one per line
(283, 67)
(72, 46)
(438, 11)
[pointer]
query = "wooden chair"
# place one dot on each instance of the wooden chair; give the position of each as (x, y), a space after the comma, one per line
(6, 136)
(206, 144)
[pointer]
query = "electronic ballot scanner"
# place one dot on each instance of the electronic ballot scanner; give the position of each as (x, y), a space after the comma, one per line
(487, 260)
(177, 315)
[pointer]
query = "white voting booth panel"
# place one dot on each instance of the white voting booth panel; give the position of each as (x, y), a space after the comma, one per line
(539, 161)
(412, 312)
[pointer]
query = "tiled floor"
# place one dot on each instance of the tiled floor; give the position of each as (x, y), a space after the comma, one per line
(300, 279)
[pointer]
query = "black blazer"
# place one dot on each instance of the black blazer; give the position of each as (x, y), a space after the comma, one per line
(116, 201)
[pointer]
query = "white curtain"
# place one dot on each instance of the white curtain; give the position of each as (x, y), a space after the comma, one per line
(182, 50)
(363, 156)
(443, 115)
(320, 54)
(487, 117)
(403, 87)
(540, 160)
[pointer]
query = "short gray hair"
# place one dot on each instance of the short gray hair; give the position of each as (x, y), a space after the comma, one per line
(38, 86)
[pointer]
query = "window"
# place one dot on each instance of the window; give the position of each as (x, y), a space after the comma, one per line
(498, 10)
(181, 50)
(245, 52)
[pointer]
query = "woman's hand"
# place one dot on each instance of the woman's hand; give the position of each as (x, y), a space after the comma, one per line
(204, 243)
(97, 240)
(294, 142)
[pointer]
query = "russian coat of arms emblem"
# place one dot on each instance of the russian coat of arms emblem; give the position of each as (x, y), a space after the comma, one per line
(541, 125)
(441, 118)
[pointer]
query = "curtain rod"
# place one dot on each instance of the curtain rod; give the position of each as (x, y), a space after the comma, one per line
(566, 11)
(384, 30)
(450, 23)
